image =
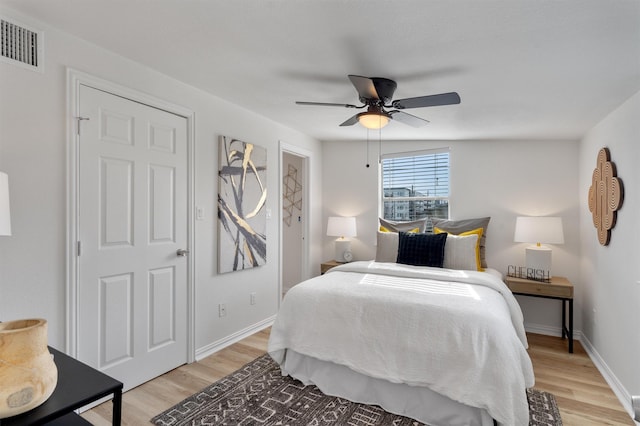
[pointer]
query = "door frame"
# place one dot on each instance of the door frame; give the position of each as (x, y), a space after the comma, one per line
(75, 79)
(306, 165)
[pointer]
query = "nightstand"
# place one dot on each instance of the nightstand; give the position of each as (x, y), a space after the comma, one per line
(559, 288)
(325, 266)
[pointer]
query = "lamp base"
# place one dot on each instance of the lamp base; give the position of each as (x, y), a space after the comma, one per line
(538, 258)
(341, 247)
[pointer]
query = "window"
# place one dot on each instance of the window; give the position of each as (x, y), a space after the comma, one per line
(415, 185)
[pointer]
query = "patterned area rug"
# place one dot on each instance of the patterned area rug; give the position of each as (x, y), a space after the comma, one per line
(258, 394)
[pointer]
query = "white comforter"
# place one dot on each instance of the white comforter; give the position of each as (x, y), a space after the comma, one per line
(459, 333)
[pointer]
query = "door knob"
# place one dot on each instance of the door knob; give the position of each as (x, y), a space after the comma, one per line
(182, 252)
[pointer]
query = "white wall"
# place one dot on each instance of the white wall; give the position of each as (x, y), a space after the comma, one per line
(501, 179)
(610, 275)
(33, 145)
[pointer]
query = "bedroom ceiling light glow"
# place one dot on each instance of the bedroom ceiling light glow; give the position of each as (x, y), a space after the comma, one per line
(342, 227)
(373, 120)
(5, 214)
(539, 230)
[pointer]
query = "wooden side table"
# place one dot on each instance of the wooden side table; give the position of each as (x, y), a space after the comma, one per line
(559, 288)
(325, 266)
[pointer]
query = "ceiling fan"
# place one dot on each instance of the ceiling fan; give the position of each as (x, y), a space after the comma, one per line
(376, 94)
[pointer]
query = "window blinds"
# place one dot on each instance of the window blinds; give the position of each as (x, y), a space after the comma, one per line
(417, 175)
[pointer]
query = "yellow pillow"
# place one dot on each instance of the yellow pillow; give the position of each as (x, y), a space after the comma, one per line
(412, 231)
(477, 231)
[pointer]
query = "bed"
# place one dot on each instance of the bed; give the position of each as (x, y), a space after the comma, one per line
(443, 346)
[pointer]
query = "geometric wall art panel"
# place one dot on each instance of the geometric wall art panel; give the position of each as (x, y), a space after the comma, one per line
(292, 196)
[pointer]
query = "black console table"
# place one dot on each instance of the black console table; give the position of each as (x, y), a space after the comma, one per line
(78, 385)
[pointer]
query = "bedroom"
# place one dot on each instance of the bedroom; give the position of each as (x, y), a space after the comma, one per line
(33, 151)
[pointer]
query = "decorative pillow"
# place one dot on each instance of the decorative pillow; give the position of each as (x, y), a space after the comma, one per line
(460, 252)
(478, 233)
(421, 249)
(387, 248)
(458, 226)
(414, 230)
(403, 226)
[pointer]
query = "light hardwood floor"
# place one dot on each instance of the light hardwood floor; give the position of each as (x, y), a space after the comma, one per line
(583, 396)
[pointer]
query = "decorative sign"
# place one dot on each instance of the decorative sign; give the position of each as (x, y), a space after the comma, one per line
(605, 196)
(529, 273)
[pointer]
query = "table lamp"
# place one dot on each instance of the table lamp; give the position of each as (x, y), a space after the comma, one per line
(538, 230)
(342, 227)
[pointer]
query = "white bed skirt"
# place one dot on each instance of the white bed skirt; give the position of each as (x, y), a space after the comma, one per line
(416, 402)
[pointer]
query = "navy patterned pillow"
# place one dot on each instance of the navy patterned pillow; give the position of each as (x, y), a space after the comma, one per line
(421, 249)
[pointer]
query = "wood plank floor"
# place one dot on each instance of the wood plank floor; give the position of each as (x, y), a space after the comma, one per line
(583, 396)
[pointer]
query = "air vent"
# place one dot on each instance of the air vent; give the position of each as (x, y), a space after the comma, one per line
(21, 45)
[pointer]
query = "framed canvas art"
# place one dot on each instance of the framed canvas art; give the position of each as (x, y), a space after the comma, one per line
(242, 196)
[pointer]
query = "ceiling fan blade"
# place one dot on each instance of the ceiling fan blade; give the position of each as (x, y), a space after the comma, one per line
(427, 101)
(365, 87)
(328, 104)
(384, 88)
(409, 119)
(350, 122)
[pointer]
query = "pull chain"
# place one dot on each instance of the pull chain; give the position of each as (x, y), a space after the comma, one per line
(379, 144)
(367, 148)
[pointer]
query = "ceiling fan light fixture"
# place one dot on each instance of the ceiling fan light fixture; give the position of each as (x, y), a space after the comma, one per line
(373, 120)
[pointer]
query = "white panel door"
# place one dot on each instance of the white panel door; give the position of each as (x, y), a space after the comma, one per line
(132, 220)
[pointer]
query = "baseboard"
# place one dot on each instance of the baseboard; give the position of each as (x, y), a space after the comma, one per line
(543, 329)
(214, 347)
(549, 331)
(623, 395)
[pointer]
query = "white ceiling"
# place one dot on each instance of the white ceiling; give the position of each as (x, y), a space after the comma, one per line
(525, 69)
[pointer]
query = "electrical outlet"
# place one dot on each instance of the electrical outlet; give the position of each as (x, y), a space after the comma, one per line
(222, 310)
(252, 298)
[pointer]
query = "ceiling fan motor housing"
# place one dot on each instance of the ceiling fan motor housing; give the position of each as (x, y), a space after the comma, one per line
(385, 88)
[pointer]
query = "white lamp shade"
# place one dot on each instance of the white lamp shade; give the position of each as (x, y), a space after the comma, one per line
(539, 230)
(341, 227)
(5, 213)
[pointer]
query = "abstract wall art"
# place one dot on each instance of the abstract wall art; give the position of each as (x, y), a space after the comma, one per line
(242, 196)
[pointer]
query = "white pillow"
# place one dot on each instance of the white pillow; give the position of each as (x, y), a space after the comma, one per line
(387, 248)
(460, 252)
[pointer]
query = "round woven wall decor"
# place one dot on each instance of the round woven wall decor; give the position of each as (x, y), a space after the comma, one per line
(605, 196)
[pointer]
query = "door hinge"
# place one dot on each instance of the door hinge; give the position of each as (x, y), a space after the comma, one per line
(78, 248)
(79, 119)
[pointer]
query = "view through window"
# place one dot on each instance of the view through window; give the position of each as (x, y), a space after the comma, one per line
(416, 185)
